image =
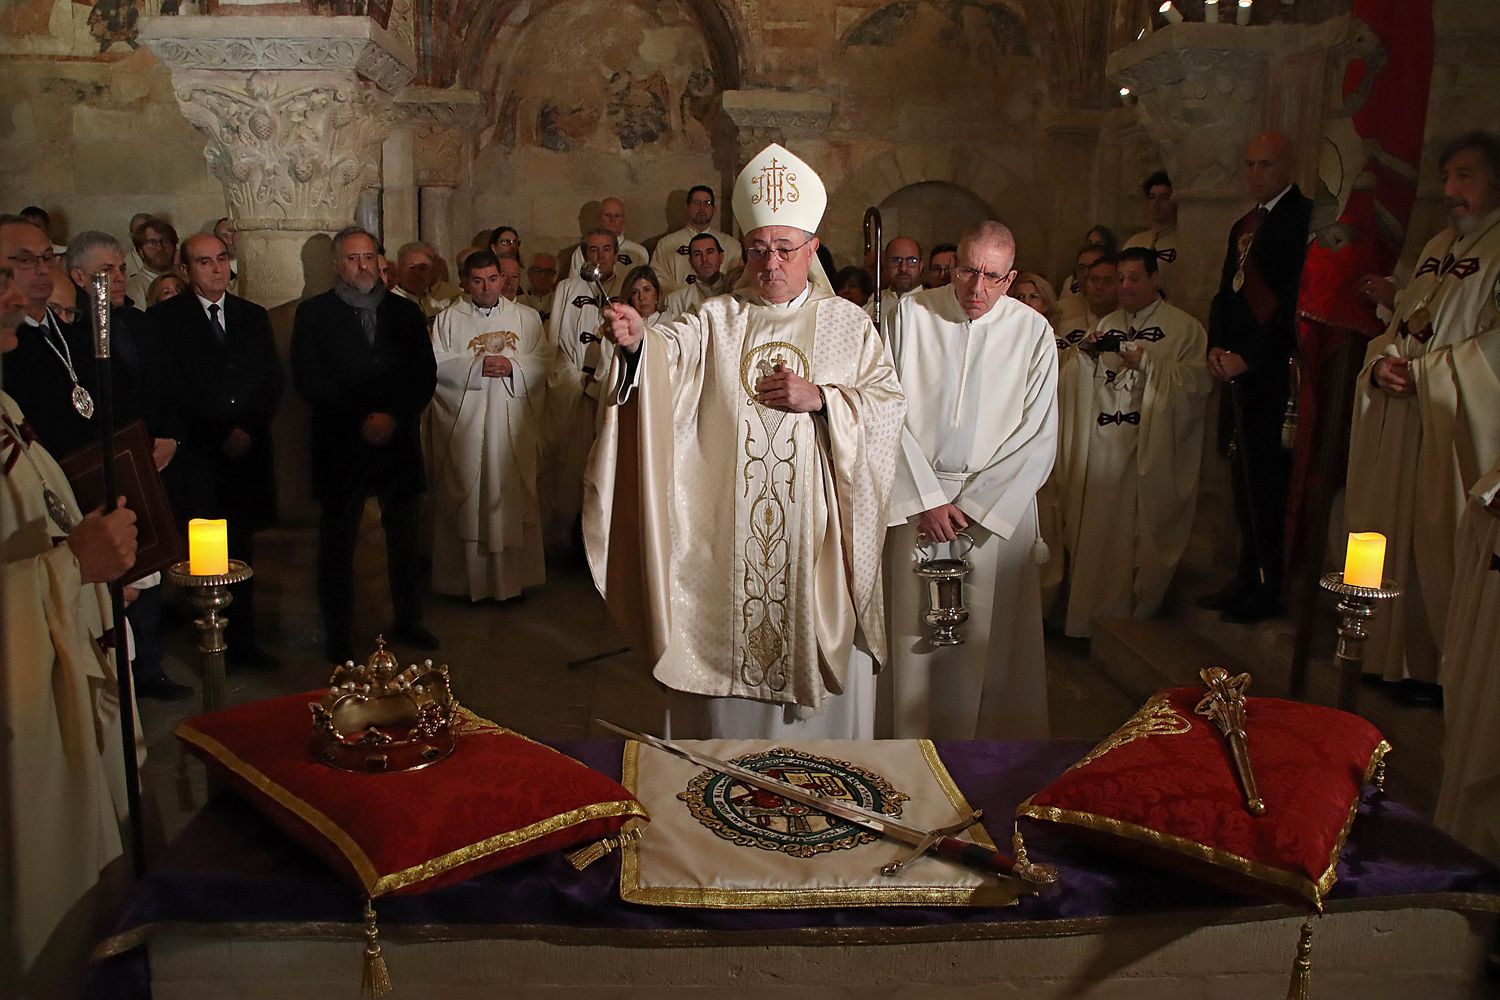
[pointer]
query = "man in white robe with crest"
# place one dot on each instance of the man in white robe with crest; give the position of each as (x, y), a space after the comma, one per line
(1131, 451)
(980, 372)
(482, 430)
(1161, 238)
(737, 493)
(1425, 424)
(578, 366)
(672, 259)
(707, 279)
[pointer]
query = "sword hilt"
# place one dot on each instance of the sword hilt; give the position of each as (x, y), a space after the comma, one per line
(996, 862)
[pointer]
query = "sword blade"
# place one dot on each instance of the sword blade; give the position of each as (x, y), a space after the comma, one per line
(965, 852)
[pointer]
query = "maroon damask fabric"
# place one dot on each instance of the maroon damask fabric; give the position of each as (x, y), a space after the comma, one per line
(1163, 789)
(498, 799)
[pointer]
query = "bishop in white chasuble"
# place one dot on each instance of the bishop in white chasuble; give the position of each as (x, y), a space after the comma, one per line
(1425, 430)
(1129, 462)
(483, 437)
(736, 496)
(979, 369)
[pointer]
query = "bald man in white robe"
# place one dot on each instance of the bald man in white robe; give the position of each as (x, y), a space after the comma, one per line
(979, 370)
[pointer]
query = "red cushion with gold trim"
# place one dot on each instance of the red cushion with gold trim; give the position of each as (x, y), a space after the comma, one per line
(1162, 789)
(498, 799)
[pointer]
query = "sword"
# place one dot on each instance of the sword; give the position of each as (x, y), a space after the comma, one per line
(939, 842)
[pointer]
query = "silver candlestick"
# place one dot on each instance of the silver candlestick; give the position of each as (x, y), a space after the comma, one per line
(1356, 606)
(209, 595)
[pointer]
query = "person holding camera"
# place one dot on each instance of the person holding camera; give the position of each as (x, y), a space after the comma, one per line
(1129, 458)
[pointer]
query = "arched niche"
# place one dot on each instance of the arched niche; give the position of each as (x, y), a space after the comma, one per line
(588, 98)
(932, 212)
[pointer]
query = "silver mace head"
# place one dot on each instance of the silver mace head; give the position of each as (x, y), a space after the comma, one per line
(99, 314)
(594, 275)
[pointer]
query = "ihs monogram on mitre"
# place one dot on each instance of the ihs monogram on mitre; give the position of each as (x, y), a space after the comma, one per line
(495, 342)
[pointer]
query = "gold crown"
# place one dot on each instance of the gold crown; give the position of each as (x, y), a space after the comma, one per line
(378, 718)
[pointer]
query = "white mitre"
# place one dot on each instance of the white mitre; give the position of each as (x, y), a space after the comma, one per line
(777, 188)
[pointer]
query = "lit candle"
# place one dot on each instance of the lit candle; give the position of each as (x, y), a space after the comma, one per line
(1169, 11)
(1364, 566)
(1242, 13)
(208, 547)
(1210, 11)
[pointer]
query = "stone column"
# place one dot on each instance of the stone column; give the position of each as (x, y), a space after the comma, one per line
(1072, 149)
(1202, 91)
(441, 125)
(398, 191)
(294, 110)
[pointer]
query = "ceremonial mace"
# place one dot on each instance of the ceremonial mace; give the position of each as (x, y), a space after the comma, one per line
(594, 275)
(124, 687)
(873, 239)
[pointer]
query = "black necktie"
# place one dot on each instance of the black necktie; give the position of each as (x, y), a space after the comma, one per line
(213, 317)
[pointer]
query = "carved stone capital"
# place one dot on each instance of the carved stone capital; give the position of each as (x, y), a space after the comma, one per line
(441, 120)
(293, 151)
(764, 116)
(304, 43)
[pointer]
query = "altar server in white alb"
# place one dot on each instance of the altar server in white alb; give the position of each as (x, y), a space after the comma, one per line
(736, 497)
(1425, 414)
(573, 384)
(482, 433)
(672, 259)
(1469, 802)
(979, 369)
(707, 280)
(1130, 455)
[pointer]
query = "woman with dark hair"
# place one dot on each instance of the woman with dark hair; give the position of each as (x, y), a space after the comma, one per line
(642, 291)
(854, 284)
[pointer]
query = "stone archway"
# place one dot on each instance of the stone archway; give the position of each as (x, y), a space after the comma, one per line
(630, 107)
(932, 212)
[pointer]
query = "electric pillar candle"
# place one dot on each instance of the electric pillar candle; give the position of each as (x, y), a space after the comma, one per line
(208, 547)
(1365, 562)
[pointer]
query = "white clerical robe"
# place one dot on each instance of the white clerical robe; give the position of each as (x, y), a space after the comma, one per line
(740, 546)
(630, 256)
(981, 433)
(431, 304)
(572, 400)
(1469, 801)
(1128, 465)
(62, 771)
(670, 259)
(138, 283)
(1164, 242)
(1412, 460)
(690, 296)
(483, 445)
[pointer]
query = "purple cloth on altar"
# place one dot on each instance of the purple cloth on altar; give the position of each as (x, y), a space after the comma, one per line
(231, 866)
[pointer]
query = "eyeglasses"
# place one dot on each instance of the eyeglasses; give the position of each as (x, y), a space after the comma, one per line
(908, 261)
(991, 279)
(25, 261)
(701, 202)
(157, 241)
(762, 254)
(508, 243)
(941, 268)
(65, 313)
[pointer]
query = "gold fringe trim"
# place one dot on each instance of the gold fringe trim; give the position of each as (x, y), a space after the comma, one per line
(376, 981)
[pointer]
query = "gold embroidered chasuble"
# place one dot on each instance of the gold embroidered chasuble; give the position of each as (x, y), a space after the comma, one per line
(741, 545)
(1412, 460)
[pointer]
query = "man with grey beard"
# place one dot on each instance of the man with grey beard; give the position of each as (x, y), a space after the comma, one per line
(362, 360)
(1424, 417)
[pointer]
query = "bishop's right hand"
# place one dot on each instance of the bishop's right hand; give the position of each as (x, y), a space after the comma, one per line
(104, 544)
(624, 327)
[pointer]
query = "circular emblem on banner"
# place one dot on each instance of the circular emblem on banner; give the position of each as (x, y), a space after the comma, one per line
(756, 817)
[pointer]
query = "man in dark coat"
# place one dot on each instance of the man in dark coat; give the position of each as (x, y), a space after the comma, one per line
(228, 384)
(362, 359)
(1251, 339)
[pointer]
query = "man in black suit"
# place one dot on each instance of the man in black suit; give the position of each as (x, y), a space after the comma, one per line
(362, 359)
(229, 383)
(1251, 339)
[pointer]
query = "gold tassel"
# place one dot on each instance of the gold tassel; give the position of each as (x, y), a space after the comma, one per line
(1301, 985)
(376, 981)
(589, 853)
